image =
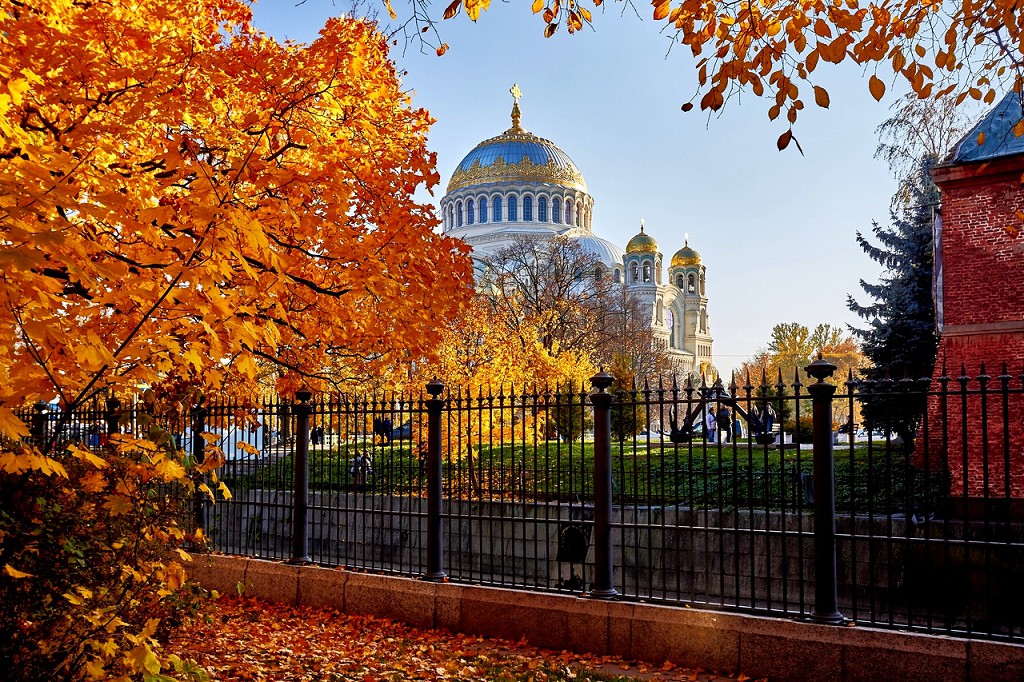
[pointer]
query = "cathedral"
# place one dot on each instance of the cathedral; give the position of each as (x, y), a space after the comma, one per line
(518, 184)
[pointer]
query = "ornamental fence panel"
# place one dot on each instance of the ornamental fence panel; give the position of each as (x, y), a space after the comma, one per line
(893, 503)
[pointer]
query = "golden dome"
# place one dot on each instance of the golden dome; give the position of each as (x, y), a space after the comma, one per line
(642, 243)
(684, 257)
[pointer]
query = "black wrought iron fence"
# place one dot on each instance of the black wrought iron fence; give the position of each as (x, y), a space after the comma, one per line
(801, 500)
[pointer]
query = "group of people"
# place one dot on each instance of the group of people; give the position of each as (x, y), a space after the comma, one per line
(722, 425)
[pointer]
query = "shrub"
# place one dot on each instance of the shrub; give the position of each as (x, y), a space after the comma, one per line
(93, 560)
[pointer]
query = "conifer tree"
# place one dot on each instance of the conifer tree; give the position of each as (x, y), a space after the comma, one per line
(900, 338)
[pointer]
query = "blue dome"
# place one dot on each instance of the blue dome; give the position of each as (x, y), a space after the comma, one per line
(517, 156)
(608, 253)
(540, 152)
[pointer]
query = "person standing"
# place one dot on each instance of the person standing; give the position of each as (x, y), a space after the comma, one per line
(710, 423)
(724, 423)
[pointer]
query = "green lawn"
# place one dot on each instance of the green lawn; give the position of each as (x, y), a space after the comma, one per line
(703, 475)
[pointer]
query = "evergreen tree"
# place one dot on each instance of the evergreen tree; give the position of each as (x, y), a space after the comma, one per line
(900, 338)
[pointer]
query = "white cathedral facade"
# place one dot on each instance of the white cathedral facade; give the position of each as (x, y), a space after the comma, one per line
(518, 184)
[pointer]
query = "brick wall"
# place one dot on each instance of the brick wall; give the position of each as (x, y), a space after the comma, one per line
(983, 325)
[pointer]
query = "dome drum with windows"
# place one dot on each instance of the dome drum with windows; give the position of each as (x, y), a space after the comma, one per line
(519, 184)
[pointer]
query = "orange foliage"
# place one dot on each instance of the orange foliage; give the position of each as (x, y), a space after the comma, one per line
(181, 194)
(182, 201)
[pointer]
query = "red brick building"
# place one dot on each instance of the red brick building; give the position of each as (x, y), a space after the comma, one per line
(979, 286)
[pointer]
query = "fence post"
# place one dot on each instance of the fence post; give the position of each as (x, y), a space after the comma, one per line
(300, 492)
(199, 456)
(38, 428)
(435, 542)
(113, 416)
(826, 597)
(602, 401)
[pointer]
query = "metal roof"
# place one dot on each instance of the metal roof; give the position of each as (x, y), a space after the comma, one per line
(996, 132)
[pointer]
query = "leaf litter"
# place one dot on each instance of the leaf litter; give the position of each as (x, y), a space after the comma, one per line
(248, 639)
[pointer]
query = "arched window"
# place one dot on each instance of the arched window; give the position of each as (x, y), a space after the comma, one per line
(578, 212)
(556, 211)
(458, 210)
(469, 211)
(598, 273)
(496, 212)
(647, 272)
(617, 277)
(527, 208)
(451, 216)
(691, 286)
(568, 212)
(635, 273)
(483, 209)
(542, 209)
(680, 282)
(513, 210)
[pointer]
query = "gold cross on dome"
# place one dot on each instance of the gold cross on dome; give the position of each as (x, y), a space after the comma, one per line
(517, 94)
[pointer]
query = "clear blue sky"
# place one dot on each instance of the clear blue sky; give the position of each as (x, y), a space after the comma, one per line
(775, 230)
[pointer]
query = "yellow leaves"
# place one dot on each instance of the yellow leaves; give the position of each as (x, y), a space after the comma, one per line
(661, 9)
(474, 7)
(876, 87)
(202, 487)
(30, 460)
(1018, 128)
(537, 6)
(224, 491)
(86, 456)
(167, 469)
(391, 11)
(981, 138)
(95, 669)
(11, 425)
(452, 9)
(15, 573)
(79, 596)
(142, 659)
(118, 504)
(247, 448)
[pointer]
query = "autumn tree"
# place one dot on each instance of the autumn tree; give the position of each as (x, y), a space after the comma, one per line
(626, 339)
(920, 132)
(182, 197)
(556, 288)
(480, 357)
(792, 347)
(548, 284)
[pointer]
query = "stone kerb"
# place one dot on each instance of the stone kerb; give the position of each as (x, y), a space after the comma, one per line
(723, 642)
